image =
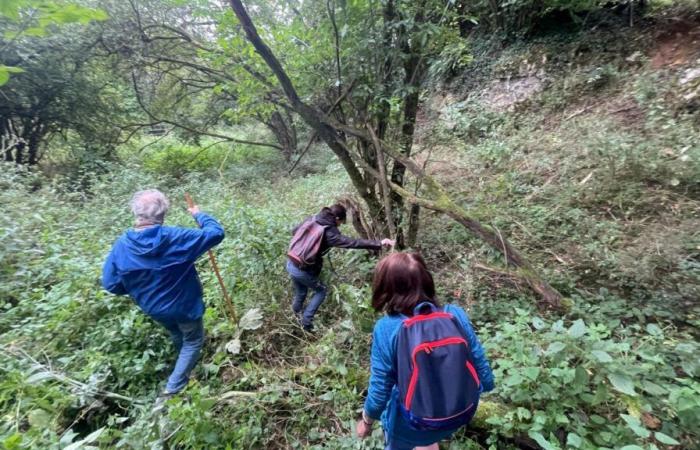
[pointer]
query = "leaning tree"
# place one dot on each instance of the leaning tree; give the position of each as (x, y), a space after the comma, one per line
(376, 61)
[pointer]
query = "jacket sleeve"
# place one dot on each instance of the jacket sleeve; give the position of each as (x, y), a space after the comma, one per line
(382, 374)
(195, 242)
(480, 362)
(335, 239)
(111, 280)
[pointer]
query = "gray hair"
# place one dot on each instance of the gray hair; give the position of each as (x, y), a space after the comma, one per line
(149, 206)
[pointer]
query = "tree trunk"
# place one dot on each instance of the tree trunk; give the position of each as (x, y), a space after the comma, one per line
(413, 226)
(311, 116)
(33, 144)
(285, 134)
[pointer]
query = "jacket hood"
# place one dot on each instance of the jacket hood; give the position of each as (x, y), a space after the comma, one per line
(326, 218)
(147, 242)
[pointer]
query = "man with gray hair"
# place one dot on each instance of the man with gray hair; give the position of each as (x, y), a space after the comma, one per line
(154, 265)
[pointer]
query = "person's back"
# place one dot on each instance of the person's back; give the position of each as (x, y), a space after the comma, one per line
(154, 265)
(401, 283)
(306, 276)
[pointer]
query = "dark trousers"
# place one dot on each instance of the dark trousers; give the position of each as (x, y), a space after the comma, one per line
(303, 281)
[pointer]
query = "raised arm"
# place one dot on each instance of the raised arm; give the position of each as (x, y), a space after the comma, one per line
(195, 242)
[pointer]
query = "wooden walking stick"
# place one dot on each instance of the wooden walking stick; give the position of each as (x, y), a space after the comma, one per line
(212, 259)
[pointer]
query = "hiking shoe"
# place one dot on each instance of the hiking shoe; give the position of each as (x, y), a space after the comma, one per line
(161, 400)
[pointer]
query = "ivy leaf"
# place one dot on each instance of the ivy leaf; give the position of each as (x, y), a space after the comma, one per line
(578, 329)
(622, 383)
(631, 447)
(602, 356)
(665, 439)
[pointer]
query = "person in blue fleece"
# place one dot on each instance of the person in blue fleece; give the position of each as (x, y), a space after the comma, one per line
(401, 282)
(154, 265)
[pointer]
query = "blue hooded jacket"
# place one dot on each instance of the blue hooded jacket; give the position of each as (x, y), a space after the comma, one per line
(155, 266)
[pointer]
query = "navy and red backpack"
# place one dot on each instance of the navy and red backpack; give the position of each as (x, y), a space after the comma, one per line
(438, 385)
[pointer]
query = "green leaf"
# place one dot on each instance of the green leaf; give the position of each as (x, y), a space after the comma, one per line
(573, 440)
(35, 31)
(13, 69)
(12, 442)
(636, 426)
(578, 329)
(531, 372)
(513, 380)
(580, 376)
(555, 347)
(665, 439)
(39, 376)
(654, 330)
(544, 443)
(631, 447)
(10, 8)
(92, 437)
(622, 383)
(602, 356)
(38, 418)
(538, 323)
(653, 388)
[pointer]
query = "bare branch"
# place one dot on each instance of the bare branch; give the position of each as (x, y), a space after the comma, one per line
(139, 99)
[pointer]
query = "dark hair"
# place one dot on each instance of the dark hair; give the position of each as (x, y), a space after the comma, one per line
(337, 210)
(401, 282)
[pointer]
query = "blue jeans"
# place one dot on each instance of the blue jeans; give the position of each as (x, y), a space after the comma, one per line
(303, 281)
(188, 339)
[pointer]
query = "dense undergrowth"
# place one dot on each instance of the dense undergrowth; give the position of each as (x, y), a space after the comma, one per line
(594, 174)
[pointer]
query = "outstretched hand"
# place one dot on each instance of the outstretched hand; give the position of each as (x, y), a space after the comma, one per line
(194, 209)
(388, 242)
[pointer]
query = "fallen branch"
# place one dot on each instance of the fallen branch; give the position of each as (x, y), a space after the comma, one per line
(43, 372)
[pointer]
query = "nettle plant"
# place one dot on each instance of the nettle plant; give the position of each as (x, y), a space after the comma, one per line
(595, 383)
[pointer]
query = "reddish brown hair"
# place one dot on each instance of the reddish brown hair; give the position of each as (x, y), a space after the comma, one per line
(401, 282)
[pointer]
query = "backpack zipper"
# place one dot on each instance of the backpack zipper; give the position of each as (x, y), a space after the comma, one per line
(428, 347)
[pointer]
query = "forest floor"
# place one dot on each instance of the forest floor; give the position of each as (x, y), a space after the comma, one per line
(582, 148)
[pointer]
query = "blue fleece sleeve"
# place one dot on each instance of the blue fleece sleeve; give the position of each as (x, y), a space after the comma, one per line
(382, 375)
(111, 280)
(195, 242)
(480, 362)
